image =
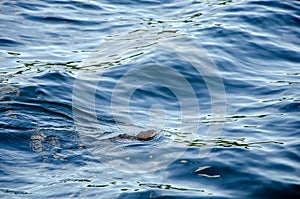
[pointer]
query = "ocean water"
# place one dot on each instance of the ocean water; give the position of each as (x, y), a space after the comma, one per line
(218, 80)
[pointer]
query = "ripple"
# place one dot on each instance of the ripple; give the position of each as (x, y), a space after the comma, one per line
(9, 42)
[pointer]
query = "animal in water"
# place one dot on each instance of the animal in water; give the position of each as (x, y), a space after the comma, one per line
(141, 136)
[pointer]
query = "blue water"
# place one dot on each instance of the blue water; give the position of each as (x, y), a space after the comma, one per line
(45, 47)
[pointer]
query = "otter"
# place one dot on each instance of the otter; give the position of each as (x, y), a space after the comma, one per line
(141, 136)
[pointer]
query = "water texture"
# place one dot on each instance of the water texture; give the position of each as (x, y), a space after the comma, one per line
(43, 48)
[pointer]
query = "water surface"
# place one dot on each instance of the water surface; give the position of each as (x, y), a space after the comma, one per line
(254, 44)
